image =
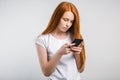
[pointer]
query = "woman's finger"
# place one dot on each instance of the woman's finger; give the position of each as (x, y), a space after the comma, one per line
(76, 48)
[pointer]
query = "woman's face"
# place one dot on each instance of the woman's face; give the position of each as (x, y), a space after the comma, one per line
(66, 21)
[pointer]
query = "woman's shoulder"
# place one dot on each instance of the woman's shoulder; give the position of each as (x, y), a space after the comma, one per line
(43, 36)
(42, 39)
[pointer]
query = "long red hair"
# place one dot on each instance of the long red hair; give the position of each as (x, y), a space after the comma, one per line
(74, 29)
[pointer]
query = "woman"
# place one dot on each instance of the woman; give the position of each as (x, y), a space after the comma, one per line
(58, 57)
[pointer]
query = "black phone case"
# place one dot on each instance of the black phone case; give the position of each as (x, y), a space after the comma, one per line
(77, 41)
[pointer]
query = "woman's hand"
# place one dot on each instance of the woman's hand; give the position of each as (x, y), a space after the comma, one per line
(65, 49)
(68, 48)
(76, 49)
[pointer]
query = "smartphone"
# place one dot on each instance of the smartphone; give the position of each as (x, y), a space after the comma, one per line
(77, 41)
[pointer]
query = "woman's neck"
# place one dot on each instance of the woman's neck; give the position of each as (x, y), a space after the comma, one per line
(59, 35)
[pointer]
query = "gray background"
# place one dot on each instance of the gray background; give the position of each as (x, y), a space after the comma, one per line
(21, 21)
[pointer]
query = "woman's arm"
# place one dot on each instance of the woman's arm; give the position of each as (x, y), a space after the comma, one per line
(49, 66)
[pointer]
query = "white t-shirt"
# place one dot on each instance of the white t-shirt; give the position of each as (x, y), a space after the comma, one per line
(66, 68)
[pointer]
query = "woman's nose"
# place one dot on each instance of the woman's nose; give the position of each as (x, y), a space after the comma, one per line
(68, 24)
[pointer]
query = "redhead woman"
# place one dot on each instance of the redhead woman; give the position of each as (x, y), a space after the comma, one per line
(59, 58)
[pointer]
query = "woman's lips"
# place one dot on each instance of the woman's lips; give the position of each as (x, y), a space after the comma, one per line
(65, 28)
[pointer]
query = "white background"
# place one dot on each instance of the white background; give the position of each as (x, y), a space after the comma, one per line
(21, 21)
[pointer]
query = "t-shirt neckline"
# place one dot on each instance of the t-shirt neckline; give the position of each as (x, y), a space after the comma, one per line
(60, 39)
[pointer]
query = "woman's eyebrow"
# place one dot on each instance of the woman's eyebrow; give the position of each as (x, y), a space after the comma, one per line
(67, 18)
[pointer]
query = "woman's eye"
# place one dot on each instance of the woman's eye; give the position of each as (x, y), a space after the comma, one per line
(71, 21)
(65, 19)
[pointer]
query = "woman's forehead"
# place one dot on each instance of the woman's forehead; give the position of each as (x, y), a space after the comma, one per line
(69, 15)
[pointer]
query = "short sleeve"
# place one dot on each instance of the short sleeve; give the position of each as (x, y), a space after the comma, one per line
(41, 41)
